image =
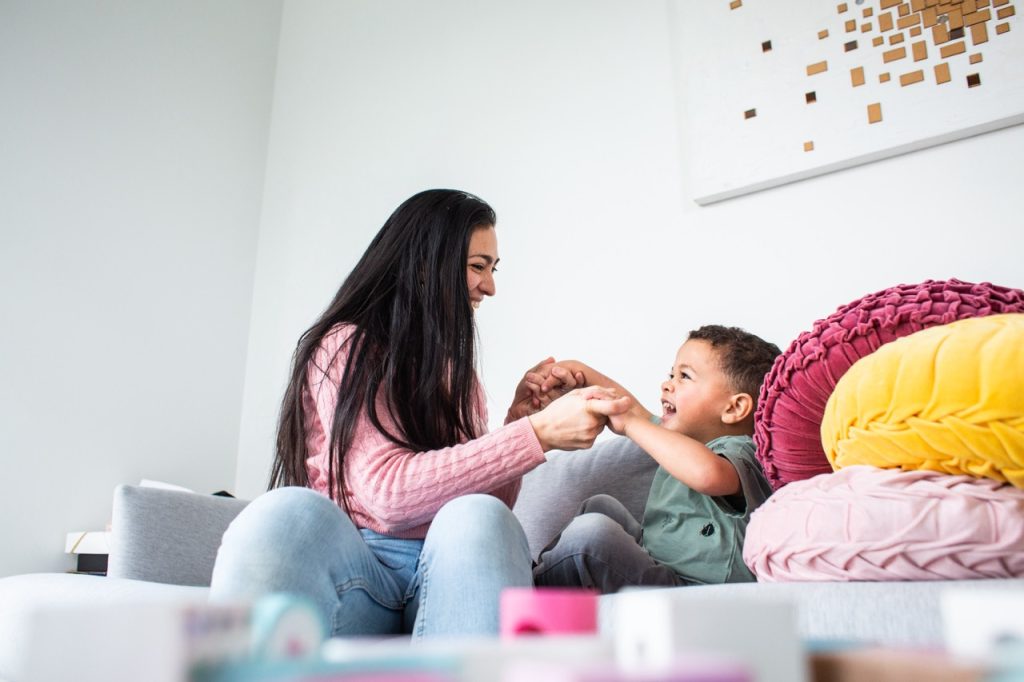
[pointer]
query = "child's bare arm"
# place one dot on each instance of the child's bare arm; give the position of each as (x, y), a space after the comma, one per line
(686, 459)
(569, 371)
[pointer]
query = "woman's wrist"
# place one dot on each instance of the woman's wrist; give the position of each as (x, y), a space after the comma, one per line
(540, 427)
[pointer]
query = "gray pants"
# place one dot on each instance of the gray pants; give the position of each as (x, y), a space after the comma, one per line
(601, 549)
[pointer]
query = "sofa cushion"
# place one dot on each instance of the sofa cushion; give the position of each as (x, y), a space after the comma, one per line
(167, 536)
(787, 422)
(865, 523)
(944, 399)
(552, 493)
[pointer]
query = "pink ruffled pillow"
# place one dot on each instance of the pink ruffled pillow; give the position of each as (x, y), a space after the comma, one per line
(787, 424)
(864, 523)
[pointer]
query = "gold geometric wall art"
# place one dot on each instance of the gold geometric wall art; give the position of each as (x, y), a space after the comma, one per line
(775, 91)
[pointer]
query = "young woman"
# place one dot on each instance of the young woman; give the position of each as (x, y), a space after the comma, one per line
(389, 502)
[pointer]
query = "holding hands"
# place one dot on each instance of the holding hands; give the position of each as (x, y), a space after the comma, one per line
(621, 411)
(542, 384)
(569, 423)
(569, 403)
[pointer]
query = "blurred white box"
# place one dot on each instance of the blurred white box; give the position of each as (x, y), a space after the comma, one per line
(976, 621)
(155, 642)
(653, 628)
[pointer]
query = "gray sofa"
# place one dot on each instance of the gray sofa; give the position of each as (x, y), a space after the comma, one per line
(164, 544)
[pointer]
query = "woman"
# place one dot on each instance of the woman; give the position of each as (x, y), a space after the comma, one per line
(390, 504)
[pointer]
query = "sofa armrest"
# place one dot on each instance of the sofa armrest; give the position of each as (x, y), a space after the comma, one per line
(167, 536)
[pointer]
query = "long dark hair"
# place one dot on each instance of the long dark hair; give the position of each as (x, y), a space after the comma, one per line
(413, 339)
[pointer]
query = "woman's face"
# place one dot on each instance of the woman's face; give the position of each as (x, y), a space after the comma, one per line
(481, 264)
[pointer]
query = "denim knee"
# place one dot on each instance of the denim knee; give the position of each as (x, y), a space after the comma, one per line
(477, 529)
(475, 516)
(282, 517)
(475, 548)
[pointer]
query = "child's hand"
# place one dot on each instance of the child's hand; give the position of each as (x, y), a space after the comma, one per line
(569, 423)
(619, 409)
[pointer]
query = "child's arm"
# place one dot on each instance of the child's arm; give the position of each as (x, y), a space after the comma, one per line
(686, 459)
(571, 372)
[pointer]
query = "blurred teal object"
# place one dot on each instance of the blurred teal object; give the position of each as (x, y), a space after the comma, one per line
(286, 627)
(1008, 664)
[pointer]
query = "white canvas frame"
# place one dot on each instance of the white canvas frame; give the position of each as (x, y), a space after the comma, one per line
(725, 72)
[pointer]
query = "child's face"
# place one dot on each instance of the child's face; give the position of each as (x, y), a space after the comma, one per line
(696, 392)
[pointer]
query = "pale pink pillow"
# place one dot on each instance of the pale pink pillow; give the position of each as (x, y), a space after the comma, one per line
(787, 424)
(865, 523)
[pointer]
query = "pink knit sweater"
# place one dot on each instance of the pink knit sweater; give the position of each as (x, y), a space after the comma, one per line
(393, 490)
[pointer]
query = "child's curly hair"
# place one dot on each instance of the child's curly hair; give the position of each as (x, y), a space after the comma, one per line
(744, 357)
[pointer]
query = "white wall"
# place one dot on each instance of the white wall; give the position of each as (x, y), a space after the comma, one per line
(133, 143)
(564, 117)
(132, 155)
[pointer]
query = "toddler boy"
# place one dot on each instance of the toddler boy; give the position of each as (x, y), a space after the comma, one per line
(706, 485)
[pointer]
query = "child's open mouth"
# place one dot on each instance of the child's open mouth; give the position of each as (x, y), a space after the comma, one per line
(667, 409)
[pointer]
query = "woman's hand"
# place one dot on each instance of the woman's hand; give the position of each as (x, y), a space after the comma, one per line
(542, 384)
(562, 377)
(568, 423)
(526, 400)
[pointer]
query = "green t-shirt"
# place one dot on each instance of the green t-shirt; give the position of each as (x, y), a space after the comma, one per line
(698, 536)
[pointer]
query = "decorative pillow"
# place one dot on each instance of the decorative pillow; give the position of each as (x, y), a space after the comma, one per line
(864, 523)
(787, 424)
(947, 399)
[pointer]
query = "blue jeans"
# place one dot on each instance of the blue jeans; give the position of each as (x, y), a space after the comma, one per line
(298, 541)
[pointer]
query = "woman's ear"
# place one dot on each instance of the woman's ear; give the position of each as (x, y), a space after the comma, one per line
(739, 407)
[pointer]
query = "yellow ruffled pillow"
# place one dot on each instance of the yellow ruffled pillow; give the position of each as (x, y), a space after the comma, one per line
(948, 399)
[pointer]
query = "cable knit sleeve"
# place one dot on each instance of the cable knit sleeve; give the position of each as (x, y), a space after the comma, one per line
(401, 489)
(397, 491)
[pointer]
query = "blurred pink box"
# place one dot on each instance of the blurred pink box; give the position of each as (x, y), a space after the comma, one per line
(547, 611)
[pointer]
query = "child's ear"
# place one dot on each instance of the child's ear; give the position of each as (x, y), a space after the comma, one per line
(738, 408)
